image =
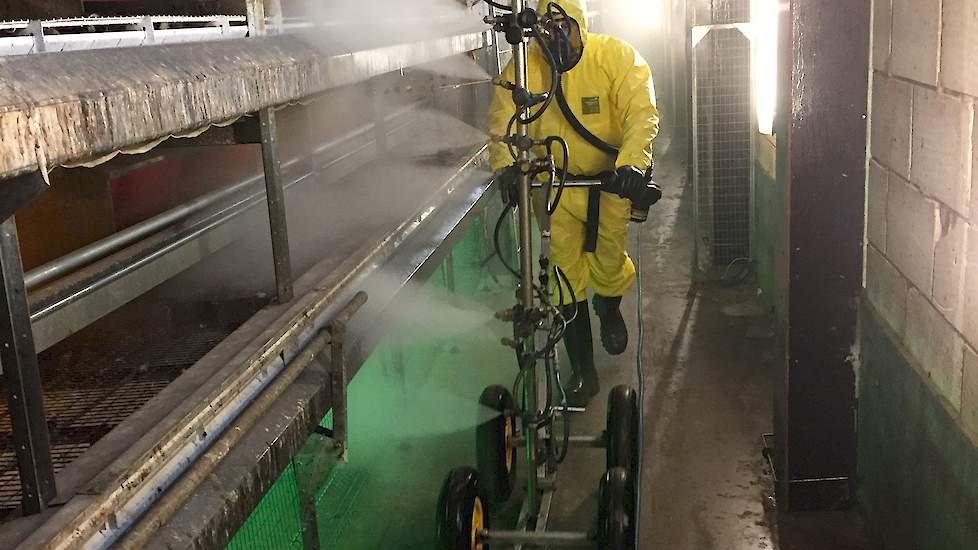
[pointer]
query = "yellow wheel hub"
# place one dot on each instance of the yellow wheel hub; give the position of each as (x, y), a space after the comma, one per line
(478, 522)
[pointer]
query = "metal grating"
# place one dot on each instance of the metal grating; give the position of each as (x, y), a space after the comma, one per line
(730, 11)
(95, 379)
(722, 125)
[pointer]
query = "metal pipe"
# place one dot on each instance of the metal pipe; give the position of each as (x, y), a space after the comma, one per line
(87, 255)
(466, 84)
(569, 184)
(538, 538)
(530, 401)
(212, 221)
(90, 254)
(176, 495)
(593, 441)
(185, 445)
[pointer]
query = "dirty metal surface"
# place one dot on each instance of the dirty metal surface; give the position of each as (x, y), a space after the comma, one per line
(79, 106)
(93, 475)
(223, 502)
(95, 380)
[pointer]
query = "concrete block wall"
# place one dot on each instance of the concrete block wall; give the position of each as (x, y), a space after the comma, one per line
(922, 210)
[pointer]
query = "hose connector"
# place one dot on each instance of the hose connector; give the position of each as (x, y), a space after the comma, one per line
(504, 84)
(524, 98)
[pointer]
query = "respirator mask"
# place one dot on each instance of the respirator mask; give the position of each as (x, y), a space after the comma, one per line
(560, 45)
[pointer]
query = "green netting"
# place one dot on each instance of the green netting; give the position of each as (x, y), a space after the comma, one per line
(276, 522)
(413, 407)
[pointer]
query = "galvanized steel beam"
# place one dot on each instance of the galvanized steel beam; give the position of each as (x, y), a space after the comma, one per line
(25, 398)
(277, 217)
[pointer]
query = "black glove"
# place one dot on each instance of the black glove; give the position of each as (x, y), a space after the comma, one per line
(630, 183)
(508, 181)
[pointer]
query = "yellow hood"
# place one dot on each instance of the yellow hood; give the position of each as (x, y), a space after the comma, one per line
(574, 8)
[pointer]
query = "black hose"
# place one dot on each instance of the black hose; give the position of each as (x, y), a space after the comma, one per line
(509, 132)
(552, 207)
(555, 8)
(498, 247)
(566, 280)
(554, 80)
(499, 6)
(578, 127)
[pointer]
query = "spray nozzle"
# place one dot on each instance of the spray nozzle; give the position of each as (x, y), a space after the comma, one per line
(507, 315)
(466, 84)
(522, 143)
(504, 84)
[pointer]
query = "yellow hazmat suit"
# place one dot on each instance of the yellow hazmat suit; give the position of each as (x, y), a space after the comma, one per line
(610, 90)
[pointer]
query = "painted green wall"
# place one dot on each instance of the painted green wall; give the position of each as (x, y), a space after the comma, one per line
(918, 471)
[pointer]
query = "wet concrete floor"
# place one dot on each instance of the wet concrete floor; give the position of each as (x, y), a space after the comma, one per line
(709, 354)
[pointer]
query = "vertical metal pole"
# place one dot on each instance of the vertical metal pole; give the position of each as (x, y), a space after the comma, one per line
(256, 17)
(23, 380)
(273, 11)
(273, 170)
(699, 266)
(530, 396)
(338, 385)
(276, 205)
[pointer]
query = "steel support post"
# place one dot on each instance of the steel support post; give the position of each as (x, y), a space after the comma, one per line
(821, 149)
(25, 398)
(256, 17)
(273, 13)
(277, 218)
(338, 380)
(275, 190)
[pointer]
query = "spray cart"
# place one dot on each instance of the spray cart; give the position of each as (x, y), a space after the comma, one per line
(533, 429)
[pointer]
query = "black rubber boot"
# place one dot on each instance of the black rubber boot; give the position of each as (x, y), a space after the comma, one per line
(614, 332)
(583, 384)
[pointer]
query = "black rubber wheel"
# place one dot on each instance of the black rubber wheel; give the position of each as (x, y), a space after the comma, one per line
(496, 457)
(622, 430)
(616, 511)
(462, 513)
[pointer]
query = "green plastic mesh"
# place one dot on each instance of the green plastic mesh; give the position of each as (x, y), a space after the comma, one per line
(276, 522)
(413, 407)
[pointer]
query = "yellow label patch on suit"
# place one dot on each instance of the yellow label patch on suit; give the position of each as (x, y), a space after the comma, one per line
(590, 105)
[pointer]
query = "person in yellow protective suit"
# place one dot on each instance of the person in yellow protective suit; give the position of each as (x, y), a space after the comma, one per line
(608, 87)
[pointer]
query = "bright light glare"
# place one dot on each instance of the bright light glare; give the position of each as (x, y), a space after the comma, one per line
(764, 20)
(635, 17)
(645, 13)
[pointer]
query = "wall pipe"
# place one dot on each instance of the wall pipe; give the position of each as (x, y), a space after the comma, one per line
(88, 255)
